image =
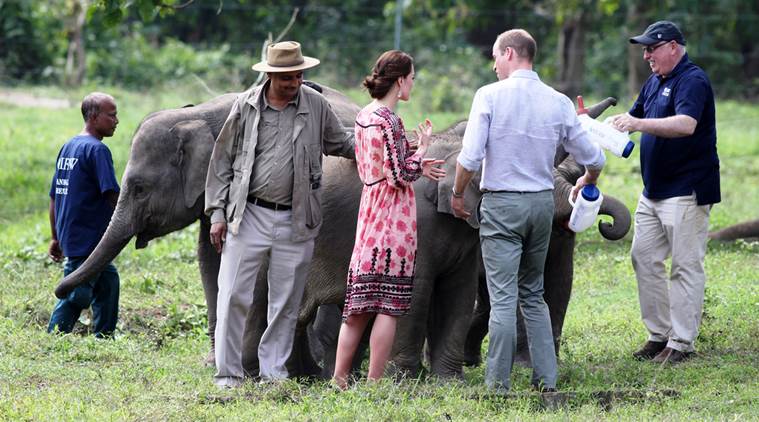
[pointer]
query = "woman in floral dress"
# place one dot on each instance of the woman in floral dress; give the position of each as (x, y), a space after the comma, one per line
(381, 272)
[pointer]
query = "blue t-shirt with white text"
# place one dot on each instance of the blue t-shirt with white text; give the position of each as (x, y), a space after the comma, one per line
(84, 173)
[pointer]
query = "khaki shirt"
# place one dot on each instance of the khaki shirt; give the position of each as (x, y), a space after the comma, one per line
(273, 167)
(316, 131)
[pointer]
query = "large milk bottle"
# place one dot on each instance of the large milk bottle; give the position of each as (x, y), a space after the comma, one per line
(585, 208)
(607, 137)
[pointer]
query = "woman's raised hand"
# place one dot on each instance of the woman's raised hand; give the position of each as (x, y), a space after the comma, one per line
(430, 171)
(424, 134)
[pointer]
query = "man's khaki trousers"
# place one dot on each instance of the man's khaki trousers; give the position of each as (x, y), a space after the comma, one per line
(671, 305)
(264, 234)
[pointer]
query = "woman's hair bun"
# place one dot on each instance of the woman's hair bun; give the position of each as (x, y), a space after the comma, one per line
(390, 66)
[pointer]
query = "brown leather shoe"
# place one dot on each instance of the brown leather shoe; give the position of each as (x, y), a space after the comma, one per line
(672, 356)
(650, 350)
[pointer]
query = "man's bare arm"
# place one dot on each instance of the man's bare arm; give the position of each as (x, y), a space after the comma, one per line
(665, 127)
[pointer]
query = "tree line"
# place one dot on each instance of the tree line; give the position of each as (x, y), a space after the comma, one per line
(582, 44)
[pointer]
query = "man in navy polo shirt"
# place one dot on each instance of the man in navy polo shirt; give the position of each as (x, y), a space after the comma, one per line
(680, 169)
(83, 195)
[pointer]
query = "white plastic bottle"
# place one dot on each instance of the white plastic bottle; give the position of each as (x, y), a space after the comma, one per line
(585, 209)
(618, 143)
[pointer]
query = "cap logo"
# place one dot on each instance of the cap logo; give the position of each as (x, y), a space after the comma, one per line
(658, 36)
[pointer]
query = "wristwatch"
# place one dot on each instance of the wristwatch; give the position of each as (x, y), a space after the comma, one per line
(456, 194)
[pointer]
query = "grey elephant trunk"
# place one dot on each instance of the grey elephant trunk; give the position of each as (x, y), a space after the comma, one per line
(597, 109)
(565, 176)
(116, 237)
(620, 225)
(745, 230)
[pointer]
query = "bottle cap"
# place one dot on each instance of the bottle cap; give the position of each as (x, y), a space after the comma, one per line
(628, 149)
(590, 192)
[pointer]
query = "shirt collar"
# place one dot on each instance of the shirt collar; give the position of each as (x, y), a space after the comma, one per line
(681, 65)
(525, 73)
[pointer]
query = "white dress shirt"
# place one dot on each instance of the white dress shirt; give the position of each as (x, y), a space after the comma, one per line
(514, 128)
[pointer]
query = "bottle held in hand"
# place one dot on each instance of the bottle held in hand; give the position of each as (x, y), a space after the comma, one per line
(610, 139)
(585, 209)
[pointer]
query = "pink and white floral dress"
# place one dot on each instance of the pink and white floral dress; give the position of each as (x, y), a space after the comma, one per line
(381, 272)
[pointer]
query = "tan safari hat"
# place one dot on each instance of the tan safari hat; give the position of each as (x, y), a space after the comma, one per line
(285, 56)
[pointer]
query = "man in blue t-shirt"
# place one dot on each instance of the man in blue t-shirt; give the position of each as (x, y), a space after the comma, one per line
(680, 169)
(83, 195)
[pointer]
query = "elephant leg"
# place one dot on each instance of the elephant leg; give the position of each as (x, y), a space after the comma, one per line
(255, 324)
(322, 337)
(301, 362)
(209, 261)
(558, 279)
(479, 327)
(312, 325)
(451, 317)
(411, 330)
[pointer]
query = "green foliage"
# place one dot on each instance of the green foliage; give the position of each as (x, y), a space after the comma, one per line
(185, 321)
(124, 39)
(606, 68)
(115, 11)
(30, 39)
(449, 85)
(136, 61)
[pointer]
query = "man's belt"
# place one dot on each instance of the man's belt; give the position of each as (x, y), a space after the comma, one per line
(266, 204)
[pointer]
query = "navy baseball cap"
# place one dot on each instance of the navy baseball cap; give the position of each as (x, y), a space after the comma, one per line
(659, 31)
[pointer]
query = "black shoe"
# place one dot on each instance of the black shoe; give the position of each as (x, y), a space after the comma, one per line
(650, 350)
(672, 356)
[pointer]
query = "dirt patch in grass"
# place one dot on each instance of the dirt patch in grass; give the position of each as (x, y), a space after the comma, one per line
(22, 99)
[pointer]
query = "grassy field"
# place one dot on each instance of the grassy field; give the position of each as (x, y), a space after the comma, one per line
(153, 371)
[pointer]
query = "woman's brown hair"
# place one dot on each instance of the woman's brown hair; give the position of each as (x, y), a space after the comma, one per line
(390, 66)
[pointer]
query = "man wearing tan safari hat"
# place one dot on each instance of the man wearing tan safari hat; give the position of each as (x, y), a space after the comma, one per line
(263, 195)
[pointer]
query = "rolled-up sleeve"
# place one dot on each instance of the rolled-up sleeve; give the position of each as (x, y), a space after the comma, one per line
(220, 171)
(476, 135)
(577, 143)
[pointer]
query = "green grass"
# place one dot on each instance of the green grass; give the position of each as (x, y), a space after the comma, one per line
(153, 371)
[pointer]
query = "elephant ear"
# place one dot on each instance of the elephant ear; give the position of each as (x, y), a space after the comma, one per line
(192, 157)
(442, 195)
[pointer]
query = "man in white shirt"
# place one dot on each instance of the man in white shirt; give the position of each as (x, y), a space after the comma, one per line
(514, 128)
